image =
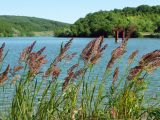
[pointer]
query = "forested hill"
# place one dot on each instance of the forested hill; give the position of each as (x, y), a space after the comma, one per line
(27, 26)
(145, 18)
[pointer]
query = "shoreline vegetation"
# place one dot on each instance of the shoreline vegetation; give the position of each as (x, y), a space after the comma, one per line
(82, 94)
(146, 19)
(51, 34)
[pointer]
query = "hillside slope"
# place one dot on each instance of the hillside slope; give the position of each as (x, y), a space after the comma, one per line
(145, 18)
(26, 26)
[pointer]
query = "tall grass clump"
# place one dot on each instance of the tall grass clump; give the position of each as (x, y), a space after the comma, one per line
(40, 95)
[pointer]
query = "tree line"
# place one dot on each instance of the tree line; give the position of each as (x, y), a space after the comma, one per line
(145, 18)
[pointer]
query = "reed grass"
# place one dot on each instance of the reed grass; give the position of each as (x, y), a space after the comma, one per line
(41, 96)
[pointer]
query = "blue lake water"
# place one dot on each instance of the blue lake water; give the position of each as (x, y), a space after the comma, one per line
(17, 44)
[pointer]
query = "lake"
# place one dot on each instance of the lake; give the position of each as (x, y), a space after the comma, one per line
(17, 44)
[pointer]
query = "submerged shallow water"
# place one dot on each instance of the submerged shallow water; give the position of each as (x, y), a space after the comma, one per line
(16, 45)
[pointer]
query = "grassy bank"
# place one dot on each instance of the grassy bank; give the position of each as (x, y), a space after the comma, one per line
(152, 35)
(11, 26)
(31, 34)
(82, 94)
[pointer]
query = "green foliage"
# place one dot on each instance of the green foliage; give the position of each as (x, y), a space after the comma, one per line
(144, 18)
(26, 26)
(89, 95)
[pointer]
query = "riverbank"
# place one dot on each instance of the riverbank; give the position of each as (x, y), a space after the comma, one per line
(30, 34)
(153, 35)
(51, 34)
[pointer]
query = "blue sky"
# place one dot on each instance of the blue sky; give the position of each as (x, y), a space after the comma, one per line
(65, 10)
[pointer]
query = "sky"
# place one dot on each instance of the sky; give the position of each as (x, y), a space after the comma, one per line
(65, 10)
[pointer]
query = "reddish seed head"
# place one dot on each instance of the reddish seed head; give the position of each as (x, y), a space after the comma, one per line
(4, 75)
(72, 75)
(72, 68)
(26, 52)
(134, 72)
(87, 51)
(41, 50)
(95, 58)
(69, 57)
(60, 57)
(36, 60)
(66, 80)
(79, 72)
(147, 58)
(17, 68)
(1, 52)
(153, 65)
(149, 62)
(115, 75)
(64, 48)
(116, 54)
(132, 56)
(62, 53)
(93, 51)
(55, 73)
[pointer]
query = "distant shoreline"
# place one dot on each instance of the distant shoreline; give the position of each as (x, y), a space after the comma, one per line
(51, 34)
(79, 37)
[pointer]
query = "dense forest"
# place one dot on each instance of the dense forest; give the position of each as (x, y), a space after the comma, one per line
(145, 18)
(27, 26)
